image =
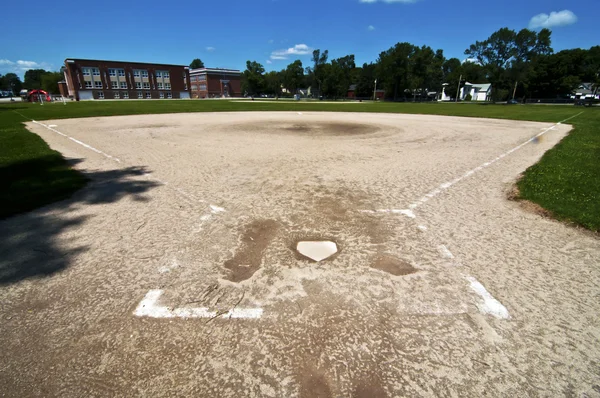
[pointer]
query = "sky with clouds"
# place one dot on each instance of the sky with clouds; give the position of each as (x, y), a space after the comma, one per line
(272, 32)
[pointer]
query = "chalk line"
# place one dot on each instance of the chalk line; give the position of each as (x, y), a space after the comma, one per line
(489, 305)
(148, 307)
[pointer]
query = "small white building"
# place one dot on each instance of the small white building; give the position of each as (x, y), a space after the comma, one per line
(445, 96)
(479, 92)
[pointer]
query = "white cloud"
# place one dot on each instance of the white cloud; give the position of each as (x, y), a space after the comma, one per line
(371, 28)
(389, 1)
(269, 61)
(20, 66)
(556, 18)
(298, 49)
(210, 49)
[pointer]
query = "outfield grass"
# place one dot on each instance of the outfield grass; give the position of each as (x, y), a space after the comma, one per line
(566, 181)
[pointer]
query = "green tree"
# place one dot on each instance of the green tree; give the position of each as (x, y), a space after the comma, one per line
(365, 82)
(293, 76)
(316, 72)
(11, 81)
(395, 71)
(50, 82)
(273, 83)
(33, 79)
(196, 63)
(253, 80)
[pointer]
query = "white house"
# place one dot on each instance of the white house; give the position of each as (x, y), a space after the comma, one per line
(445, 96)
(479, 92)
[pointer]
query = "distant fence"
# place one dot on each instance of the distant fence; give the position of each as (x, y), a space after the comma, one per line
(550, 101)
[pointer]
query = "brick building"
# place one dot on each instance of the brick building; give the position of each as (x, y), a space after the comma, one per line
(88, 79)
(214, 82)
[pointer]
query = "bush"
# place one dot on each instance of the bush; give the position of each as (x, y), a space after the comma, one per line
(469, 97)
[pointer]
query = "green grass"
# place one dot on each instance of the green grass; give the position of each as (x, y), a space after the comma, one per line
(566, 181)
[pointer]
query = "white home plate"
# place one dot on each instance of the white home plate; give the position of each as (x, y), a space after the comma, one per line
(317, 250)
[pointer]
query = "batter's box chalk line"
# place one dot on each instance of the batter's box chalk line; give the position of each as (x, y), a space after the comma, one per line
(149, 307)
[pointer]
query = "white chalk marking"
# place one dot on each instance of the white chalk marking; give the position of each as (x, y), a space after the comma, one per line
(406, 212)
(52, 125)
(422, 227)
(489, 305)
(78, 142)
(148, 307)
(469, 173)
(445, 252)
(216, 209)
(317, 250)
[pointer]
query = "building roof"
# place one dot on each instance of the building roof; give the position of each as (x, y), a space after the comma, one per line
(480, 86)
(214, 70)
(352, 87)
(71, 60)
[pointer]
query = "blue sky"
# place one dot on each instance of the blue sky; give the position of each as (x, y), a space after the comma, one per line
(227, 33)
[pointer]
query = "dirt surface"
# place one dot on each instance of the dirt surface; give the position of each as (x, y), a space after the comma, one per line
(441, 286)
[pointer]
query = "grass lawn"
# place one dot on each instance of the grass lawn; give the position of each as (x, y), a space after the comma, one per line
(566, 181)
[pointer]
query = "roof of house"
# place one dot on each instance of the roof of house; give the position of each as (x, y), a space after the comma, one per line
(73, 60)
(480, 86)
(352, 87)
(215, 71)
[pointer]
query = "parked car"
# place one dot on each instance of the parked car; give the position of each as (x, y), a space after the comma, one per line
(512, 102)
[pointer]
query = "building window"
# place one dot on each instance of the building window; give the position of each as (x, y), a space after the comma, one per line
(144, 73)
(140, 95)
(121, 72)
(202, 78)
(136, 73)
(148, 96)
(203, 87)
(194, 87)
(192, 78)
(117, 96)
(166, 75)
(114, 85)
(158, 74)
(167, 86)
(126, 95)
(112, 72)
(138, 84)
(86, 71)
(100, 95)
(169, 95)
(159, 85)
(98, 84)
(124, 85)
(88, 84)
(96, 72)
(147, 85)
(161, 95)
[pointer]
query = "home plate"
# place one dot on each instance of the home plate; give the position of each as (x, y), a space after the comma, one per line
(317, 250)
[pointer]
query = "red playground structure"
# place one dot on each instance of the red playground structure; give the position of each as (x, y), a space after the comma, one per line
(38, 96)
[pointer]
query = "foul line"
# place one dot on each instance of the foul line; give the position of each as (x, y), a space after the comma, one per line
(148, 308)
(489, 305)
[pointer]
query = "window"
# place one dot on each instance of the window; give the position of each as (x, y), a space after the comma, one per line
(121, 72)
(138, 84)
(88, 84)
(169, 95)
(112, 72)
(158, 74)
(202, 78)
(203, 87)
(100, 95)
(98, 84)
(148, 96)
(194, 87)
(167, 86)
(96, 72)
(192, 78)
(117, 95)
(86, 71)
(136, 73)
(114, 85)
(159, 85)
(124, 85)
(147, 85)
(162, 95)
(166, 75)
(144, 73)
(126, 95)
(140, 94)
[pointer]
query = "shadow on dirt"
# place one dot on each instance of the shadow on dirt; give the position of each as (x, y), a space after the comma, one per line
(34, 244)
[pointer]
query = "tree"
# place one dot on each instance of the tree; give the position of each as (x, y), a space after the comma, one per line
(196, 63)
(50, 82)
(365, 82)
(11, 81)
(33, 79)
(273, 82)
(252, 79)
(293, 76)
(395, 71)
(316, 72)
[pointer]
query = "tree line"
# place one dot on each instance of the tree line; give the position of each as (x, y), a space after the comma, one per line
(522, 63)
(35, 79)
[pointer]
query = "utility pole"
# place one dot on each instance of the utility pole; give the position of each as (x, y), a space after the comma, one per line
(375, 91)
(458, 88)
(515, 90)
